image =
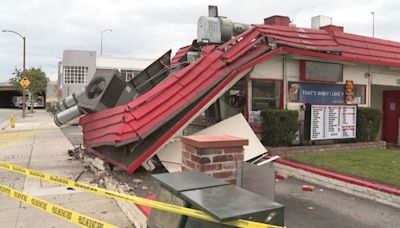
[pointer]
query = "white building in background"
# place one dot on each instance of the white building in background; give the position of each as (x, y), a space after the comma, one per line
(78, 67)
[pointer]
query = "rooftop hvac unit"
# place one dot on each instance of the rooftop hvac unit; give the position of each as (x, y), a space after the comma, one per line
(320, 21)
(216, 29)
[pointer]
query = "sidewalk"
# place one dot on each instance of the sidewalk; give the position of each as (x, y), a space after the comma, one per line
(37, 143)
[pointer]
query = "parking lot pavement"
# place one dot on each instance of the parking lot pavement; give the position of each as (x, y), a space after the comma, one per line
(330, 208)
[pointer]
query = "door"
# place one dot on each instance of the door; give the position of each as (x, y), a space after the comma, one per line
(391, 115)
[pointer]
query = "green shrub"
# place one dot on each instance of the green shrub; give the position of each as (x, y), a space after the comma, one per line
(280, 127)
(51, 109)
(368, 124)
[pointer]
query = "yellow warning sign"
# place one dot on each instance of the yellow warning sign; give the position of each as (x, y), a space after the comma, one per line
(50, 208)
(24, 82)
(134, 199)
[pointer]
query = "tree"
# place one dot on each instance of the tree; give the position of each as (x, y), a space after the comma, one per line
(37, 78)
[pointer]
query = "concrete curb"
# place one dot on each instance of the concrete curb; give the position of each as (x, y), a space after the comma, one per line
(365, 189)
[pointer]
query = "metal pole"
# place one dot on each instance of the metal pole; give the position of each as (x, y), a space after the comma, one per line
(23, 70)
(373, 24)
(101, 41)
(23, 61)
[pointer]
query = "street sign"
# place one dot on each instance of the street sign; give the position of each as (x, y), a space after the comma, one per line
(24, 82)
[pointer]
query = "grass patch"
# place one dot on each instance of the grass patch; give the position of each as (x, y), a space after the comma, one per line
(374, 164)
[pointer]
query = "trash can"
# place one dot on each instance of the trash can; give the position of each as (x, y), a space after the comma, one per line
(220, 200)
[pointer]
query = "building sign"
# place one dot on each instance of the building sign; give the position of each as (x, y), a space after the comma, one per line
(316, 93)
(332, 122)
(349, 92)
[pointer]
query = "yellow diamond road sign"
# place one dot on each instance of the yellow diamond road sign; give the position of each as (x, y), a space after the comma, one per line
(24, 82)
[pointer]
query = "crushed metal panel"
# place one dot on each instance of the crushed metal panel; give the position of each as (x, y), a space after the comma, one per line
(257, 179)
(153, 74)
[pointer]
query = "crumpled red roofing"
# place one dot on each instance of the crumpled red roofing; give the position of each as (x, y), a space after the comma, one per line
(139, 118)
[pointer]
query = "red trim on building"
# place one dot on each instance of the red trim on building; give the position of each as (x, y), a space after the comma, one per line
(246, 95)
(302, 64)
(340, 177)
(355, 59)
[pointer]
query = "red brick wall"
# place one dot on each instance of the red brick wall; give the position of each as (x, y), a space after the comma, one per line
(213, 155)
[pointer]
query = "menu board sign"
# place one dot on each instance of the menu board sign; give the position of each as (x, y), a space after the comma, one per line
(333, 122)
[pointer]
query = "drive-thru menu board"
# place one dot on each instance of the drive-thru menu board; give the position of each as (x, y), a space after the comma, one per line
(333, 122)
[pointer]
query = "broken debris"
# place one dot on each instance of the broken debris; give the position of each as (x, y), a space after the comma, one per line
(137, 181)
(308, 188)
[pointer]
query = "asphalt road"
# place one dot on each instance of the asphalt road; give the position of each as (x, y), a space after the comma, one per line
(320, 208)
(330, 208)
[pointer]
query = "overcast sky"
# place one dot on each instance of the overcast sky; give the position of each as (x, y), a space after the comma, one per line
(146, 29)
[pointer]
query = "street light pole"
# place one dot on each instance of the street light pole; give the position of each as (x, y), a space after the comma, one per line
(373, 23)
(23, 69)
(101, 42)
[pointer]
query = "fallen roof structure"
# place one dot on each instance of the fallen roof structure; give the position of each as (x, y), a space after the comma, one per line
(129, 134)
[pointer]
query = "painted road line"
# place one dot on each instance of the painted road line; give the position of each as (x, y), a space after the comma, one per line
(17, 135)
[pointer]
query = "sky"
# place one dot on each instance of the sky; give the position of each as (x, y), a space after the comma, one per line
(147, 29)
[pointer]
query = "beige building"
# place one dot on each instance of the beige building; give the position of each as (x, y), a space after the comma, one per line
(77, 68)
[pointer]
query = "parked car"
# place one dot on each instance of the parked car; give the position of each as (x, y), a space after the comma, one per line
(18, 104)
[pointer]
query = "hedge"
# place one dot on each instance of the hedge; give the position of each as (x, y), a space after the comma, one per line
(368, 124)
(280, 127)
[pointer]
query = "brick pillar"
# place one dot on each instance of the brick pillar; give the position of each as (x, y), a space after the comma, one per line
(213, 155)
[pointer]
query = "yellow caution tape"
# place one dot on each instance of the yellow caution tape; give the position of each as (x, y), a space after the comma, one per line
(134, 199)
(50, 208)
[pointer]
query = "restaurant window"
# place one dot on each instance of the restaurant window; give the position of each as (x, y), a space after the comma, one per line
(359, 94)
(321, 71)
(233, 101)
(266, 94)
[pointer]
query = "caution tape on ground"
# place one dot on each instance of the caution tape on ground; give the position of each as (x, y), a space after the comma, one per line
(134, 199)
(50, 208)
